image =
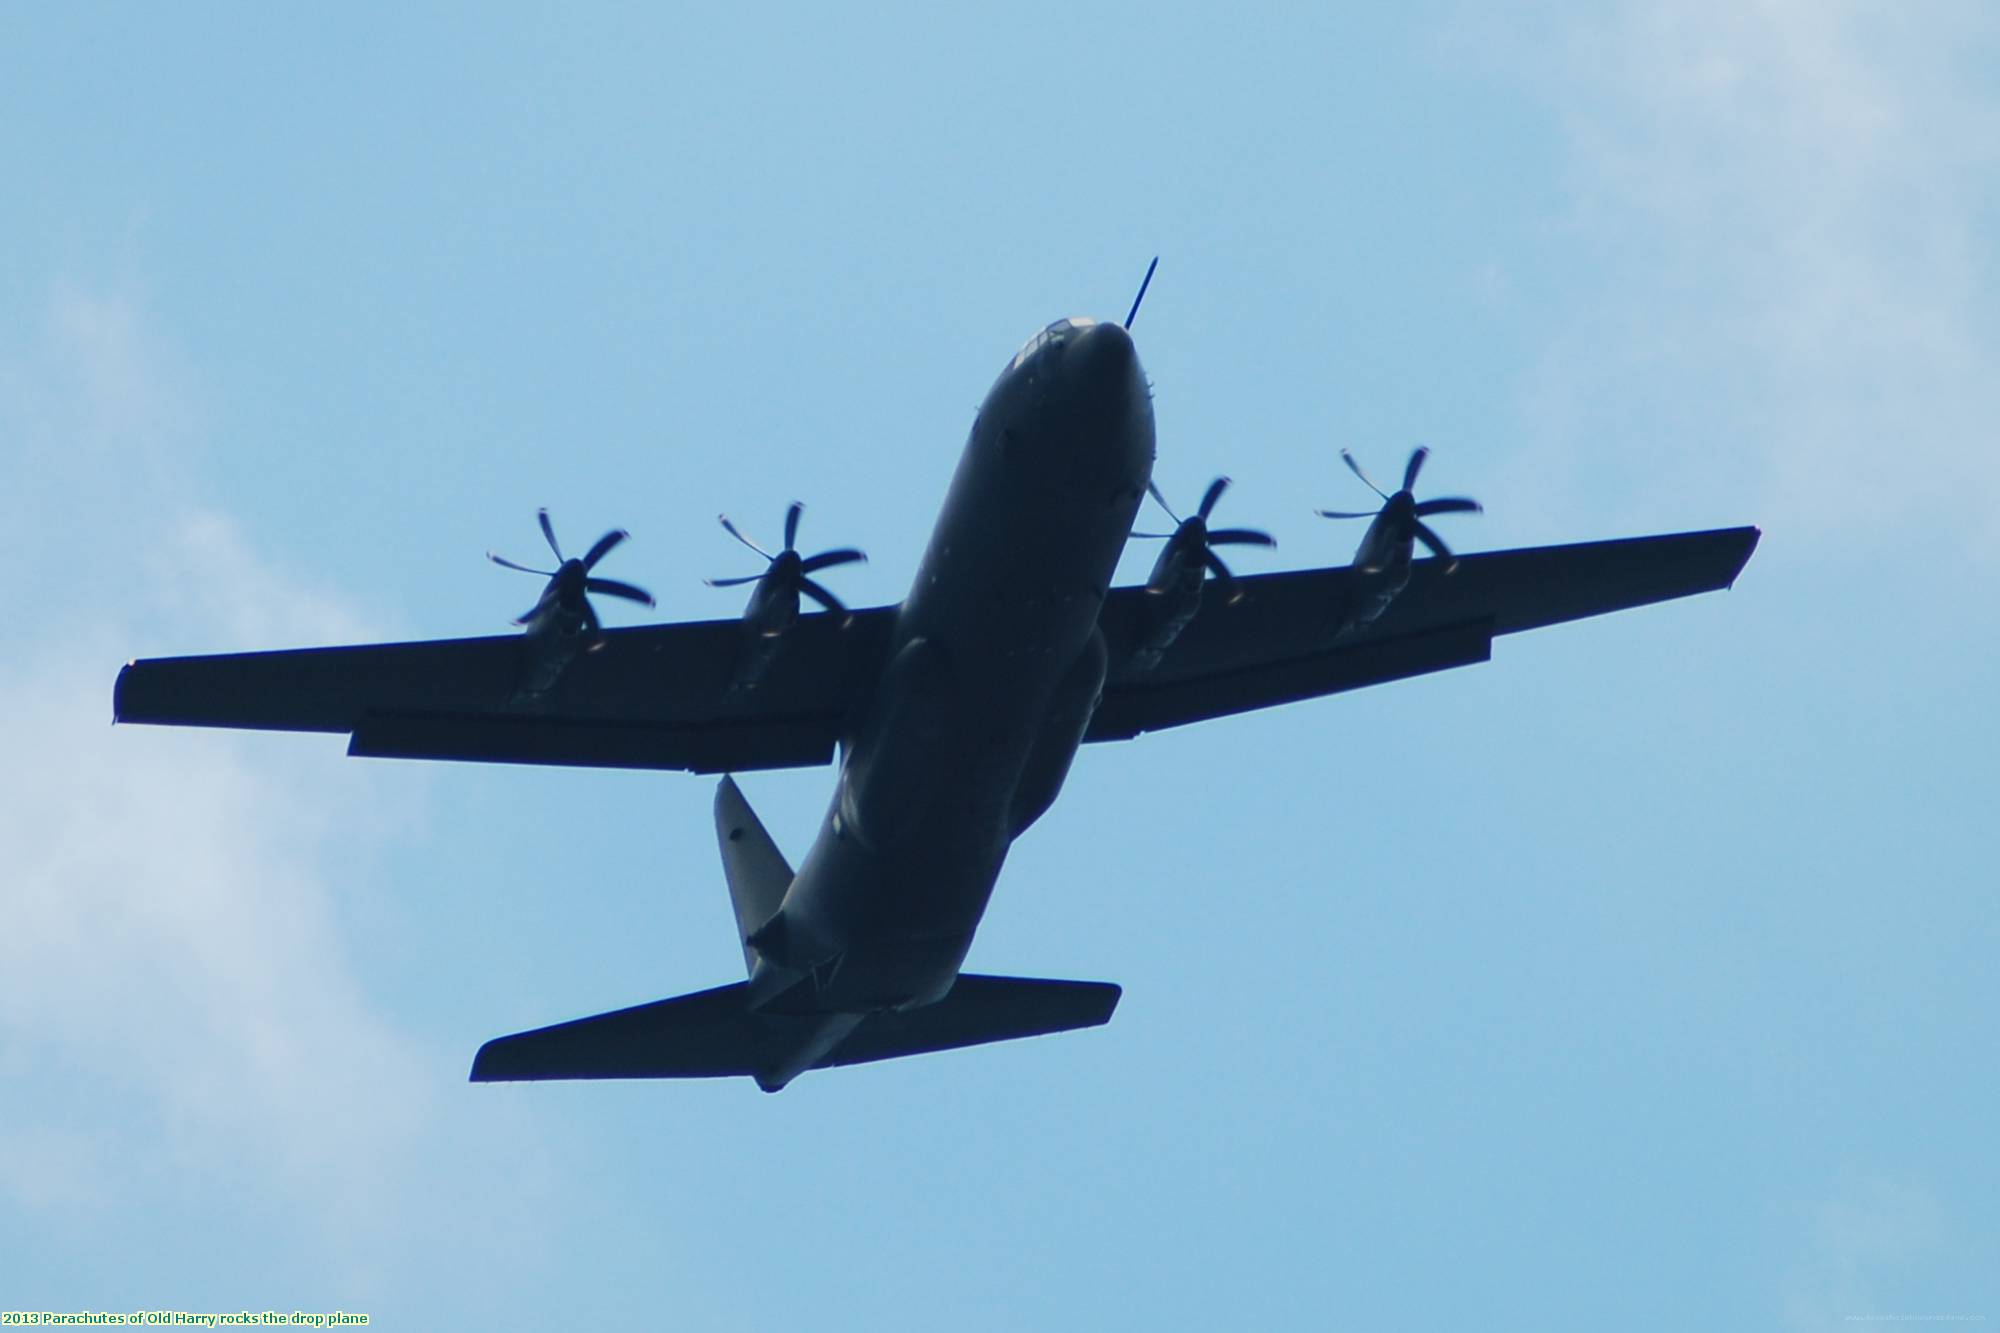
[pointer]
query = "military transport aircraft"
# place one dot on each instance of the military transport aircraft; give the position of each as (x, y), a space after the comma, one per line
(955, 715)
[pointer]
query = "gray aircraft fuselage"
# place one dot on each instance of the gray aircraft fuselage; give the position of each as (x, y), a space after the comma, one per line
(996, 665)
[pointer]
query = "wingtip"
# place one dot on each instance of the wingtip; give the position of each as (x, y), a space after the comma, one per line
(118, 688)
(1111, 993)
(1751, 535)
(483, 1062)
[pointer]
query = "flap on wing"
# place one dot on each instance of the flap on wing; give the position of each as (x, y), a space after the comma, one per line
(1140, 705)
(734, 745)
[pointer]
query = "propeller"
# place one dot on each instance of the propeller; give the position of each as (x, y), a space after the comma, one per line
(571, 581)
(788, 571)
(1402, 514)
(1193, 540)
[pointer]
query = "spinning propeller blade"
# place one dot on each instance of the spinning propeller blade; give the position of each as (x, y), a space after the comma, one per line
(614, 588)
(1193, 534)
(570, 582)
(788, 572)
(1355, 467)
(1414, 466)
(732, 530)
(1404, 514)
(603, 546)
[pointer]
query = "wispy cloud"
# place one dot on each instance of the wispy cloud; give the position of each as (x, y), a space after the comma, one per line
(1857, 1240)
(177, 987)
(173, 948)
(98, 420)
(1776, 284)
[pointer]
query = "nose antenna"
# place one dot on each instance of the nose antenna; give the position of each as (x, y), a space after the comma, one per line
(1144, 283)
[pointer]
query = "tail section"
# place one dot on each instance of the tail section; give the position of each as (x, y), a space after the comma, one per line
(757, 871)
(715, 1033)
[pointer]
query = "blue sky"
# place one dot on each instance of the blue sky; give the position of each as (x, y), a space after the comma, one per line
(1644, 974)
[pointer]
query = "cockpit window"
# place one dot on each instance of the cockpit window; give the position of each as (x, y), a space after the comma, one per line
(1055, 332)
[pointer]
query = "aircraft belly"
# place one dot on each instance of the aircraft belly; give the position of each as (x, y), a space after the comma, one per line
(1005, 603)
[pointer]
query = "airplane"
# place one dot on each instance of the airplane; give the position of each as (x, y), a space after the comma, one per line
(954, 714)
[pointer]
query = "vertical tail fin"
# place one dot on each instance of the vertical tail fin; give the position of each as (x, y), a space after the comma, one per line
(757, 871)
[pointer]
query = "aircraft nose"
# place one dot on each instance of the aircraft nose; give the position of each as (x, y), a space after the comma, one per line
(1102, 356)
(1110, 434)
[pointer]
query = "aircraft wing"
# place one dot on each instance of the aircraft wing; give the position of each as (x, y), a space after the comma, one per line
(656, 696)
(659, 696)
(1281, 642)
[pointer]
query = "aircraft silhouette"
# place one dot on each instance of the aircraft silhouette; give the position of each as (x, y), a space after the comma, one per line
(955, 713)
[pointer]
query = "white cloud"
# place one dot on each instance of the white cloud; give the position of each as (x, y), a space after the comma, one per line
(201, 571)
(96, 421)
(177, 985)
(1858, 1241)
(1780, 219)
(172, 941)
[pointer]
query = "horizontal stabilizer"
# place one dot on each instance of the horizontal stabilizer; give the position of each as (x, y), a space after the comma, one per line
(714, 1033)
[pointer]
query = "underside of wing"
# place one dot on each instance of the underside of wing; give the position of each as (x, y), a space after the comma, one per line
(1292, 636)
(659, 696)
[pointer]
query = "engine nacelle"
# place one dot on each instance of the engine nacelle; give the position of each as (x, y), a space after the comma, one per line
(1372, 589)
(774, 607)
